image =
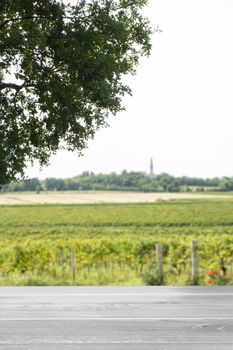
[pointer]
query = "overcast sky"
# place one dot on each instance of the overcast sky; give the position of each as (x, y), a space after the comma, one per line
(181, 112)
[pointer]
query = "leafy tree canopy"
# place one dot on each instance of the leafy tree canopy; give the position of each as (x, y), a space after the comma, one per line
(61, 68)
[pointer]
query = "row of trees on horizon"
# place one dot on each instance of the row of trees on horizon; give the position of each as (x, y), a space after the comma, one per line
(126, 181)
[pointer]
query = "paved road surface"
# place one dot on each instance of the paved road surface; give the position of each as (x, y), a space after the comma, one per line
(116, 318)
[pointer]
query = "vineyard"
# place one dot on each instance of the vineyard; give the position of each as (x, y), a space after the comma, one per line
(114, 244)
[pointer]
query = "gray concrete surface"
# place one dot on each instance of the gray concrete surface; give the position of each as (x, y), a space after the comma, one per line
(116, 318)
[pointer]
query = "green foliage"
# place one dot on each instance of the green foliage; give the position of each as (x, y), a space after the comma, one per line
(61, 69)
(126, 181)
(115, 244)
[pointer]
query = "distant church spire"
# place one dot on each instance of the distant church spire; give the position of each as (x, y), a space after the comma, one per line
(151, 167)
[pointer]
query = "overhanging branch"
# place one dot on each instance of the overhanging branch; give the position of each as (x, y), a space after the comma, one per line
(22, 18)
(13, 86)
(16, 19)
(75, 17)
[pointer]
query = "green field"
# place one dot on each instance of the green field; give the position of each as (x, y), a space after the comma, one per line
(114, 243)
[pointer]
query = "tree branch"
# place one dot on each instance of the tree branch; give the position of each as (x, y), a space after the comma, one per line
(131, 3)
(14, 86)
(30, 18)
(21, 18)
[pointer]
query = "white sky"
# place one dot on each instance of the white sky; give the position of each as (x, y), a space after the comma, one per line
(181, 112)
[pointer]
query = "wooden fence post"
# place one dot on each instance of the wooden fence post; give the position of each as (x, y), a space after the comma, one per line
(231, 267)
(159, 265)
(195, 263)
(73, 271)
(62, 260)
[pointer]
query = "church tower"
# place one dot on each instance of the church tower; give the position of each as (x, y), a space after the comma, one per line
(151, 167)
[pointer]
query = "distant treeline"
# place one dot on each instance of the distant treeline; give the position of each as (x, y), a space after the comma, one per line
(126, 181)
